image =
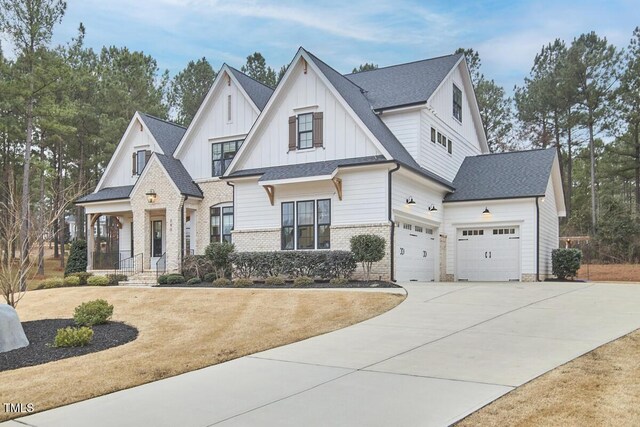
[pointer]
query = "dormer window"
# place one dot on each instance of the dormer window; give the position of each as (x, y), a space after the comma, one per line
(457, 103)
(305, 131)
(139, 161)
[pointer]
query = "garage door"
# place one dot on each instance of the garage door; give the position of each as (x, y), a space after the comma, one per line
(488, 254)
(414, 252)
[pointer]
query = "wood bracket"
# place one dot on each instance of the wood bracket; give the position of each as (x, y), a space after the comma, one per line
(338, 184)
(271, 192)
(118, 223)
(94, 218)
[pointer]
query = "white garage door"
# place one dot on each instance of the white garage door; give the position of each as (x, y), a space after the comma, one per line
(414, 252)
(488, 254)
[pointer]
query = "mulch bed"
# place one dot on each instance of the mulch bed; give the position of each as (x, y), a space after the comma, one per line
(41, 334)
(290, 285)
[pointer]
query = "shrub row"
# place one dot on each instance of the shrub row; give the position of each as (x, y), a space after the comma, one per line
(312, 264)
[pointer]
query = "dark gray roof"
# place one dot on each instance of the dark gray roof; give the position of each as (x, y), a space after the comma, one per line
(108, 193)
(257, 91)
(167, 134)
(503, 176)
(404, 84)
(180, 176)
(305, 169)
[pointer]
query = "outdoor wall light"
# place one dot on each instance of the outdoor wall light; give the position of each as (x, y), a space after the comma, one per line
(151, 196)
(486, 212)
(410, 201)
(433, 208)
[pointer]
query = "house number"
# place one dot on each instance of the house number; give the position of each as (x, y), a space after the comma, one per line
(401, 251)
(424, 254)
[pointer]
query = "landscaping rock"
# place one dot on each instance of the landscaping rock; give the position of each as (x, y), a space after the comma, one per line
(11, 333)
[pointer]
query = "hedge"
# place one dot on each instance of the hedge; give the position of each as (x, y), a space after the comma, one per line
(315, 264)
(566, 262)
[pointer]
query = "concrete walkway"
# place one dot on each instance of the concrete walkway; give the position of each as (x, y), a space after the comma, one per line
(446, 351)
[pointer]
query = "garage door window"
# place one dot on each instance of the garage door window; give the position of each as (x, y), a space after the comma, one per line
(473, 232)
(504, 231)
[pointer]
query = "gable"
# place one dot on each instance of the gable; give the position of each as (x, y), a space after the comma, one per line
(304, 90)
(212, 123)
(441, 104)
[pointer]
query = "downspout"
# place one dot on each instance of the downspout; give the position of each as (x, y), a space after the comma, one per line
(537, 238)
(233, 204)
(182, 231)
(393, 225)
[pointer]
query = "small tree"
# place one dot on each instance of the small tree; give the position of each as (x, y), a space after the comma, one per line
(77, 262)
(566, 262)
(218, 253)
(367, 249)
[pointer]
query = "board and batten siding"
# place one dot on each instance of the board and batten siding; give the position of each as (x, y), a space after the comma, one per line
(518, 212)
(406, 127)
(364, 199)
(549, 229)
(121, 168)
(343, 137)
(405, 185)
(213, 124)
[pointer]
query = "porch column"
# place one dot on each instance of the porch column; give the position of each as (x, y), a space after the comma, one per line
(142, 236)
(90, 242)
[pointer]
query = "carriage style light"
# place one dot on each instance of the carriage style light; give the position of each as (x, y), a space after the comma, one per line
(151, 196)
(433, 208)
(410, 201)
(486, 212)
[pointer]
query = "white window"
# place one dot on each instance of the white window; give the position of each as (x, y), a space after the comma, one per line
(305, 131)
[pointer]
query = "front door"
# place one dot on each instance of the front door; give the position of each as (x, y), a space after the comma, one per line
(156, 239)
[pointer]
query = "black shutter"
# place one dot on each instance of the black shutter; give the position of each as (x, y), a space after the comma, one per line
(133, 163)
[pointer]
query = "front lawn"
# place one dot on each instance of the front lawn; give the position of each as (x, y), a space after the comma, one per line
(180, 330)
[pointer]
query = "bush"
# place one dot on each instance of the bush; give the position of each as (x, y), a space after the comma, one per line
(196, 266)
(320, 264)
(246, 264)
(367, 249)
(77, 261)
(218, 253)
(223, 281)
(194, 281)
(175, 279)
(338, 281)
(566, 262)
(83, 276)
(73, 337)
(303, 281)
(242, 282)
(115, 278)
(94, 312)
(52, 282)
(71, 281)
(340, 265)
(274, 281)
(210, 277)
(98, 281)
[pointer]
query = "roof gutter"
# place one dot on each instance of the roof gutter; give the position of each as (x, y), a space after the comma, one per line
(537, 238)
(400, 107)
(393, 225)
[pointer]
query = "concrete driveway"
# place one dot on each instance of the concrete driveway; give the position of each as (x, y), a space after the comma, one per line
(446, 351)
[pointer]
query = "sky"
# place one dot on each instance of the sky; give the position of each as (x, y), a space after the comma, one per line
(346, 33)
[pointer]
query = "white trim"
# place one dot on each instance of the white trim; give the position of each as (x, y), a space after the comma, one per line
(227, 138)
(487, 224)
(394, 110)
(402, 216)
(305, 110)
(276, 94)
(211, 179)
(123, 205)
(558, 191)
(300, 179)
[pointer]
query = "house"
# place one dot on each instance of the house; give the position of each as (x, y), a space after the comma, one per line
(398, 151)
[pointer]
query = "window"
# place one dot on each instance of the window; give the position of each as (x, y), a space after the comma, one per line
(305, 228)
(324, 224)
(222, 154)
(457, 103)
(305, 131)
(406, 226)
(141, 161)
(450, 146)
(473, 232)
(288, 218)
(439, 138)
(418, 229)
(433, 135)
(221, 223)
(504, 231)
(443, 141)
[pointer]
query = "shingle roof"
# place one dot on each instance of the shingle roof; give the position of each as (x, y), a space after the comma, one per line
(258, 92)
(503, 176)
(167, 134)
(180, 176)
(302, 170)
(404, 84)
(108, 193)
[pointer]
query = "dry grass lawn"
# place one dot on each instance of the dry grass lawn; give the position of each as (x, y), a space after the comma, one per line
(601, 388)
(610, 272)
(179, 330)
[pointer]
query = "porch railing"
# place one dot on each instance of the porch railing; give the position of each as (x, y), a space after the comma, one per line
(104, 260)
(161, 265)
(130, 265)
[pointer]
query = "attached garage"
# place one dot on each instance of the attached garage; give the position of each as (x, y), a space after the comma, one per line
(488, 254)
(415, 248)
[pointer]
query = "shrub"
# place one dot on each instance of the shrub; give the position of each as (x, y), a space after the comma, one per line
(210, 277)
(194, 281)
(274, 281)
(98, 281)
(223, 281)
(196, 266)
(77, 261)
(71, 281)
(338, 281)
(303, 281)
(218, 253)
(367, 249)
(242, 282)
(175, 279)
(83, 276)
(52, 282)
(340, 265)
(73, 337)
(320, 264)
(94, 312)
(565, 263)
(115, 278)
(162, 280)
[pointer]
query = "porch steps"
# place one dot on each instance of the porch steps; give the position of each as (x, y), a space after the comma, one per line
(145, 279)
